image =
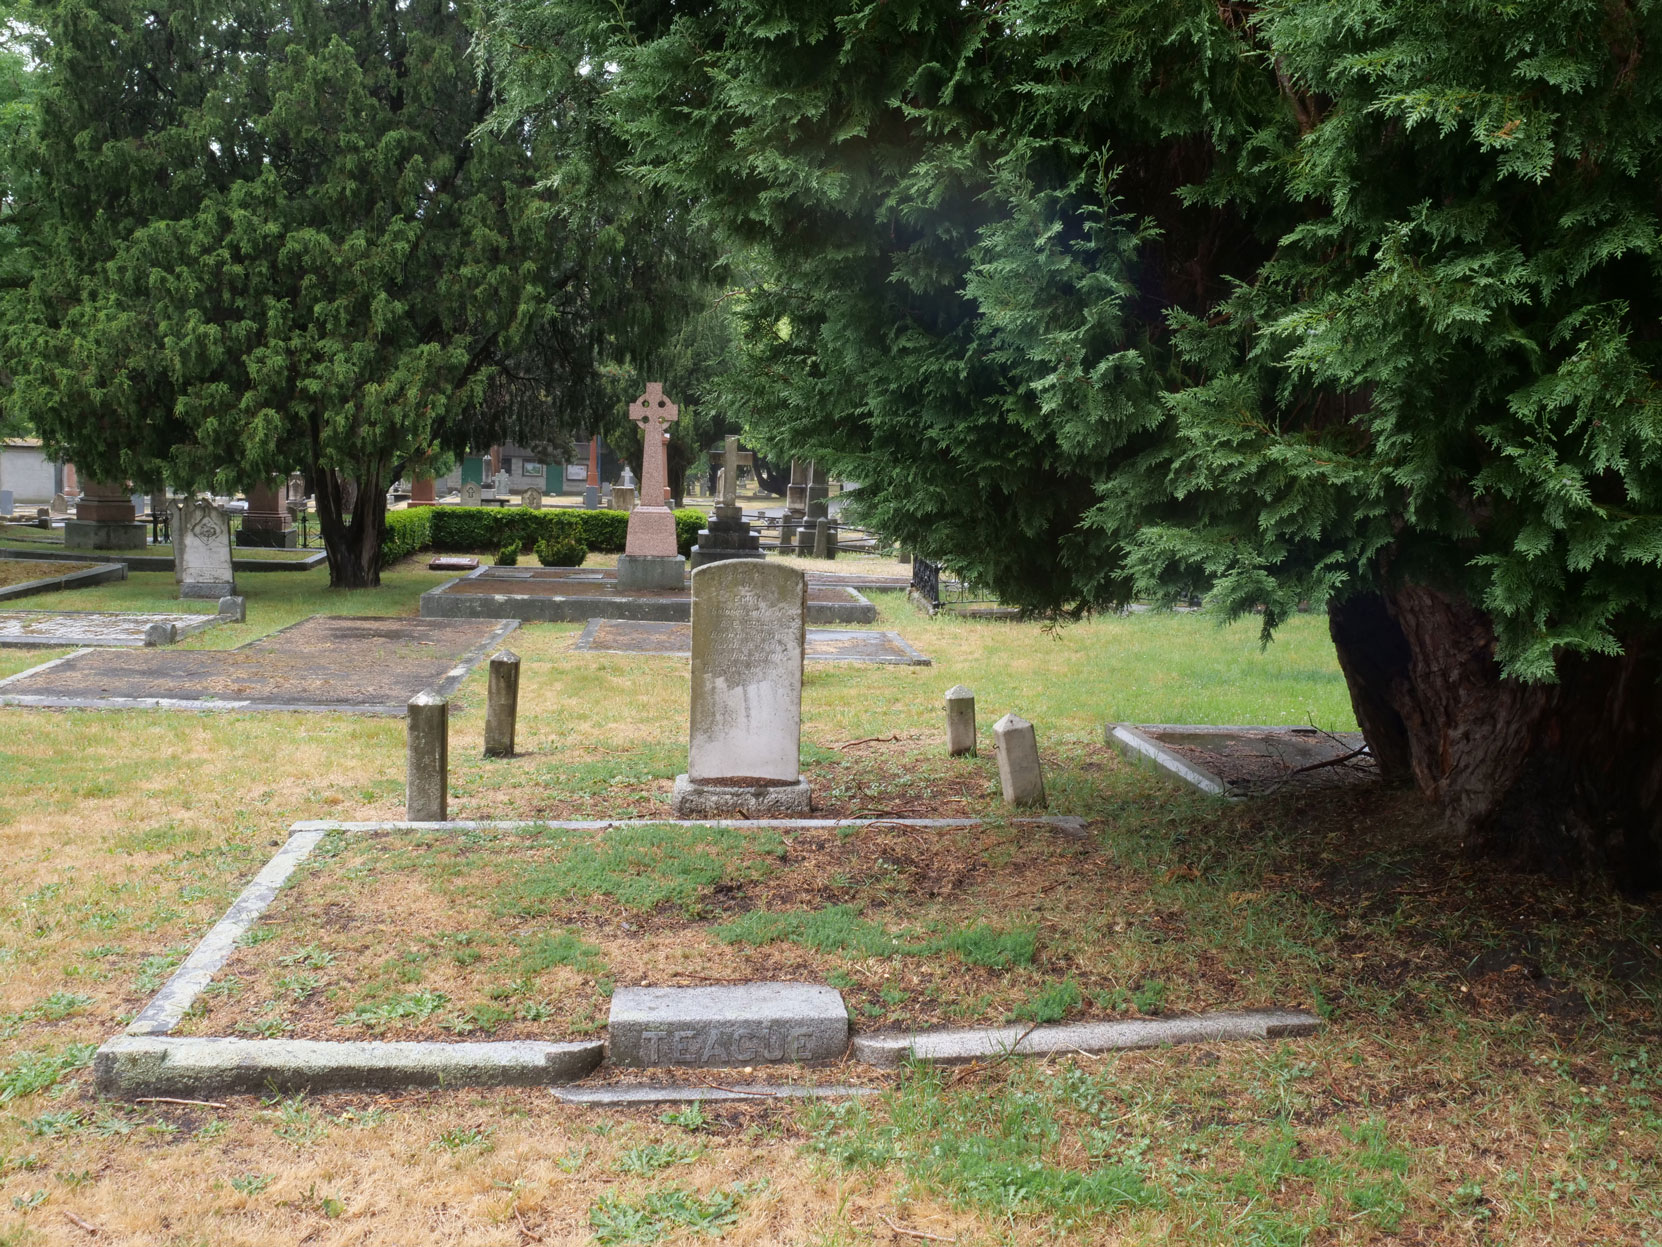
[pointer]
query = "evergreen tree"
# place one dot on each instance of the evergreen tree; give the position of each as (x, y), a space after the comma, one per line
(17, 201)
(1338, 301)
(282, 238)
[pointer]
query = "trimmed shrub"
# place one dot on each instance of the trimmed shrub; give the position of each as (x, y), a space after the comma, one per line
(408, 532)
(475, 530)
(508, 555)
(561, 552)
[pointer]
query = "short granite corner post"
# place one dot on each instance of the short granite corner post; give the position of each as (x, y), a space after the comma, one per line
(234, 608)
(822, 539)
(427, 786)
(502, 709)
(161, 634)
(1018, 761)
(960, 721)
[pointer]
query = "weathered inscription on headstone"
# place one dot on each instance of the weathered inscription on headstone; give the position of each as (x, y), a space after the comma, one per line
(747, 650)
(745, 1024)
(202, 550)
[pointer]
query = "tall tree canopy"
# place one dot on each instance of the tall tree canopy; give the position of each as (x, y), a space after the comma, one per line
(1343, 301)
(17, 200)
(282, 238)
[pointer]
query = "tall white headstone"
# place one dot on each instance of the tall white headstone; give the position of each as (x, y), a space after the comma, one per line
(202, 550)
(748, 634)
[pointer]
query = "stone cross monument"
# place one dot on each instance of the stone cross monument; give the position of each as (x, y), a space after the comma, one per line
(727, 535)
(649, 559)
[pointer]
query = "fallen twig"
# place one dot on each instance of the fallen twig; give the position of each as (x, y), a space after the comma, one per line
(762, 1095)
(900, 1229)
(525, 1229)
(167, 1099)
(869, 740)
(88, 1226)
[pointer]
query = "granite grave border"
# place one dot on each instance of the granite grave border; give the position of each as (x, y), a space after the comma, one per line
(439, 603)
(447, 684)
(164, 562)
(197, 622)
(913, 657)
(98, 573)
(147, 1059)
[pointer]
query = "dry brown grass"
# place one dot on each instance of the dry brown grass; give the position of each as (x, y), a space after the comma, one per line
(1498, 1035)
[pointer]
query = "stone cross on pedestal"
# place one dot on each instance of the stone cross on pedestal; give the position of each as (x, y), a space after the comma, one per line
(727, 535)
(730, 472)
(649, 559)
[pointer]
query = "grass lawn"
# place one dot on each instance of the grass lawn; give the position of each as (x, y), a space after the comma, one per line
(22, 571)
(1491, 1071)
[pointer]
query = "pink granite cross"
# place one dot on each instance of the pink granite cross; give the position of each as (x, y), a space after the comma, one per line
(649, 533)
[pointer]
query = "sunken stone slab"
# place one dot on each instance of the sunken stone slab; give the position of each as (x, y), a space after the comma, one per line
(132, 1066)
(723, 1027)
(954, 1047)
(626, 1096)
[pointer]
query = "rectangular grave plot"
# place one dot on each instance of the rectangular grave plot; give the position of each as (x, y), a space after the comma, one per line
(1251, 760)
(361, 665)
(470, 934)
(640, 636)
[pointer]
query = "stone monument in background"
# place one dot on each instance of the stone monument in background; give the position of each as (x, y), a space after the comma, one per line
(650, 559)
(202, 550)
(747, 647)
(268, 522)
(727, 535)
(105, 519)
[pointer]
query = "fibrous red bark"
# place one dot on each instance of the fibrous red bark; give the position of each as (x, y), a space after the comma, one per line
(1562, 776)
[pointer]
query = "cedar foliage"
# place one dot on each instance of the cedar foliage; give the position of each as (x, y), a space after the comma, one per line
(1342, 301)
(281, 237)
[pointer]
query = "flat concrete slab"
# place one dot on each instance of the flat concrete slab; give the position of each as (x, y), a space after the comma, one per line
(640, 636)
(573, 595)
(132, 1066)
(742, 1024)
(1247, 760)
(956, 1047)
(629, 1096)
(92, 629)
(352, 665)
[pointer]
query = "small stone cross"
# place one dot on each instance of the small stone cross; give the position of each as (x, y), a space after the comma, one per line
(653, 412)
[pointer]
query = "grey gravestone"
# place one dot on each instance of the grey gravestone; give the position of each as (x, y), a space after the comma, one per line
(234, 609)
(160, 634)
(716, 1027)
(747, 649)
(623, 497)
(591, 497)
(531, 499)
(502, 705)
(960, 721)
(5, 502)
(60, 505)
(427, 758)
(202, 550)
(472, 493)
(1018, 761)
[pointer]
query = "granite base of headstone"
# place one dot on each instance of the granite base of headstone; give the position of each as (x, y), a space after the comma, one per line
(748, 626)
(202, 550)
(651, 571)
(623, 498)
(727, 534)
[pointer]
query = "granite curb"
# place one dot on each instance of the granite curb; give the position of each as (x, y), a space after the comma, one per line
(953, 1047)
(97, 574)
(132, 1066)
(1145, 751)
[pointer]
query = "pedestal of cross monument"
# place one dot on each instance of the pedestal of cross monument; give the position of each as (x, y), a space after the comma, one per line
(105, 519)
(267, 522)
(650, 559)
(727, 535)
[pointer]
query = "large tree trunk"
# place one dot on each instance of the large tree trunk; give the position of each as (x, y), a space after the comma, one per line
(354, 548)
(1563, 777)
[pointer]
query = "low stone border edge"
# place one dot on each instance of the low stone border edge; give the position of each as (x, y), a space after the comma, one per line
(953, 1047)
(1143, 749)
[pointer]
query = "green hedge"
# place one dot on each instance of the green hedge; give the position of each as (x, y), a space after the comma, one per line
(408, 532)
(481, 530)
